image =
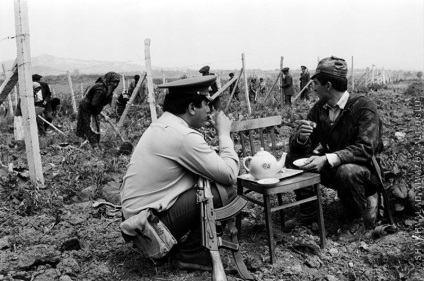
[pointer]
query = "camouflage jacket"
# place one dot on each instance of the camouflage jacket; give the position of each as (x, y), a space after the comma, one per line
(355, 136)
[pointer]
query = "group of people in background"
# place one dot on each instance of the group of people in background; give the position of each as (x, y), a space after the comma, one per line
(101, 94)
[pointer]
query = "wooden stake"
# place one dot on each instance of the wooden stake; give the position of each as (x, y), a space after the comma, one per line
(16, 95)
(10, 82)
(249, 110)
(367, 76)
(273, 85)
(353, 77)
(123, 83)
(233, 91)
(148, 64)
(384, 76)
(298, 95)
(130, 102)
(372, 74)
(71, 89)
(9, 98)
(214, 96)
(26, 92)
(281, 82)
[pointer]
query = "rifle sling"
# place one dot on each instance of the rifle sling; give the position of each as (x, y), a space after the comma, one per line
(229, 210)
(383, 191)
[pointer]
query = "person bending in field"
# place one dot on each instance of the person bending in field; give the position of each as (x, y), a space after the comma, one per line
(167, 163)
(39, 108)
(45, 101)
(348, 128)
(93, 102)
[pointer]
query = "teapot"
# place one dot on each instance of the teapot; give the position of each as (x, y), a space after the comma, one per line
(264, 165)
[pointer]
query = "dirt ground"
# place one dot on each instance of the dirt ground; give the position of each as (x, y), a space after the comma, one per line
(55, 233)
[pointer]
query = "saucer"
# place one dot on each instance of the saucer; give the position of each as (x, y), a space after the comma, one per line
(268, 181)
(300, 162)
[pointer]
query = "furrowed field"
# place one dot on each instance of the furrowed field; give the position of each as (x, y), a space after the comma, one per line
(54, 233)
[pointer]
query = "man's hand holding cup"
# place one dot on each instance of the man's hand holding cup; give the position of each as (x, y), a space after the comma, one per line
(305, 130)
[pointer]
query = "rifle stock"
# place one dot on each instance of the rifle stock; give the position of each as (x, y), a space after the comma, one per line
(210, 239)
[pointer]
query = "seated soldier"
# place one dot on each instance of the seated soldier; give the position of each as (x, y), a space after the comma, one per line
(167, 162)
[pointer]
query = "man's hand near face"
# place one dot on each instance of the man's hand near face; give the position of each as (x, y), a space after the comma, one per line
(221, 122)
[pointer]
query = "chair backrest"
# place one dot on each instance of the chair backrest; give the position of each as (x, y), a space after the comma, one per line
(264, 126)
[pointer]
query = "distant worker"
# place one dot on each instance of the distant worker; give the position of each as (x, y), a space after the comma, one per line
(45, 101)
(121, 103)
(141, 93)
(95, 99)
(287, 86)
(262, 86)
(252, 90)
(39, 108)
(304, 80)
(213, 88)
(235, 84)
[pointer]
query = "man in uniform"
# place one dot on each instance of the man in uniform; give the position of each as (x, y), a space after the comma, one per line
(304, 79)
(287, 86)
(168, 161)
(348, 129)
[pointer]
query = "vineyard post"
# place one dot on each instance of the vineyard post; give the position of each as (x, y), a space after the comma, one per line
(16, 95)
(54, 92)
(71, 89)
(82, 89)
(148, 63)
(372, 74)
(353, 78)
(272, 88)
(234, 90)
(281, 81)
(9, 98)
(130, 102)
(367, 76)
(246, 87)
(123, 84)
(384, 76)
(163, 78)
(27, 94)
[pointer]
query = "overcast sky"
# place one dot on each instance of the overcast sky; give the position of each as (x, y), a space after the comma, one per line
(192, 33)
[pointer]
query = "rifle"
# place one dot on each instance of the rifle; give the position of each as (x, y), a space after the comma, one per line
(383, 192)
(210, 239)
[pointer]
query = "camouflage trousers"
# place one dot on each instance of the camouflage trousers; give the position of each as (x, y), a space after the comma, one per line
(352, 182)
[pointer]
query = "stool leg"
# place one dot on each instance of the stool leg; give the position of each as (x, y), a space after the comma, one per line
(320, 216)
(280, 202)
(268, 222)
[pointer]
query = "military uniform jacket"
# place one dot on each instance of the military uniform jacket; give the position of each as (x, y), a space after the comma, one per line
(355, 135)
(304, 79)
(288, 85)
